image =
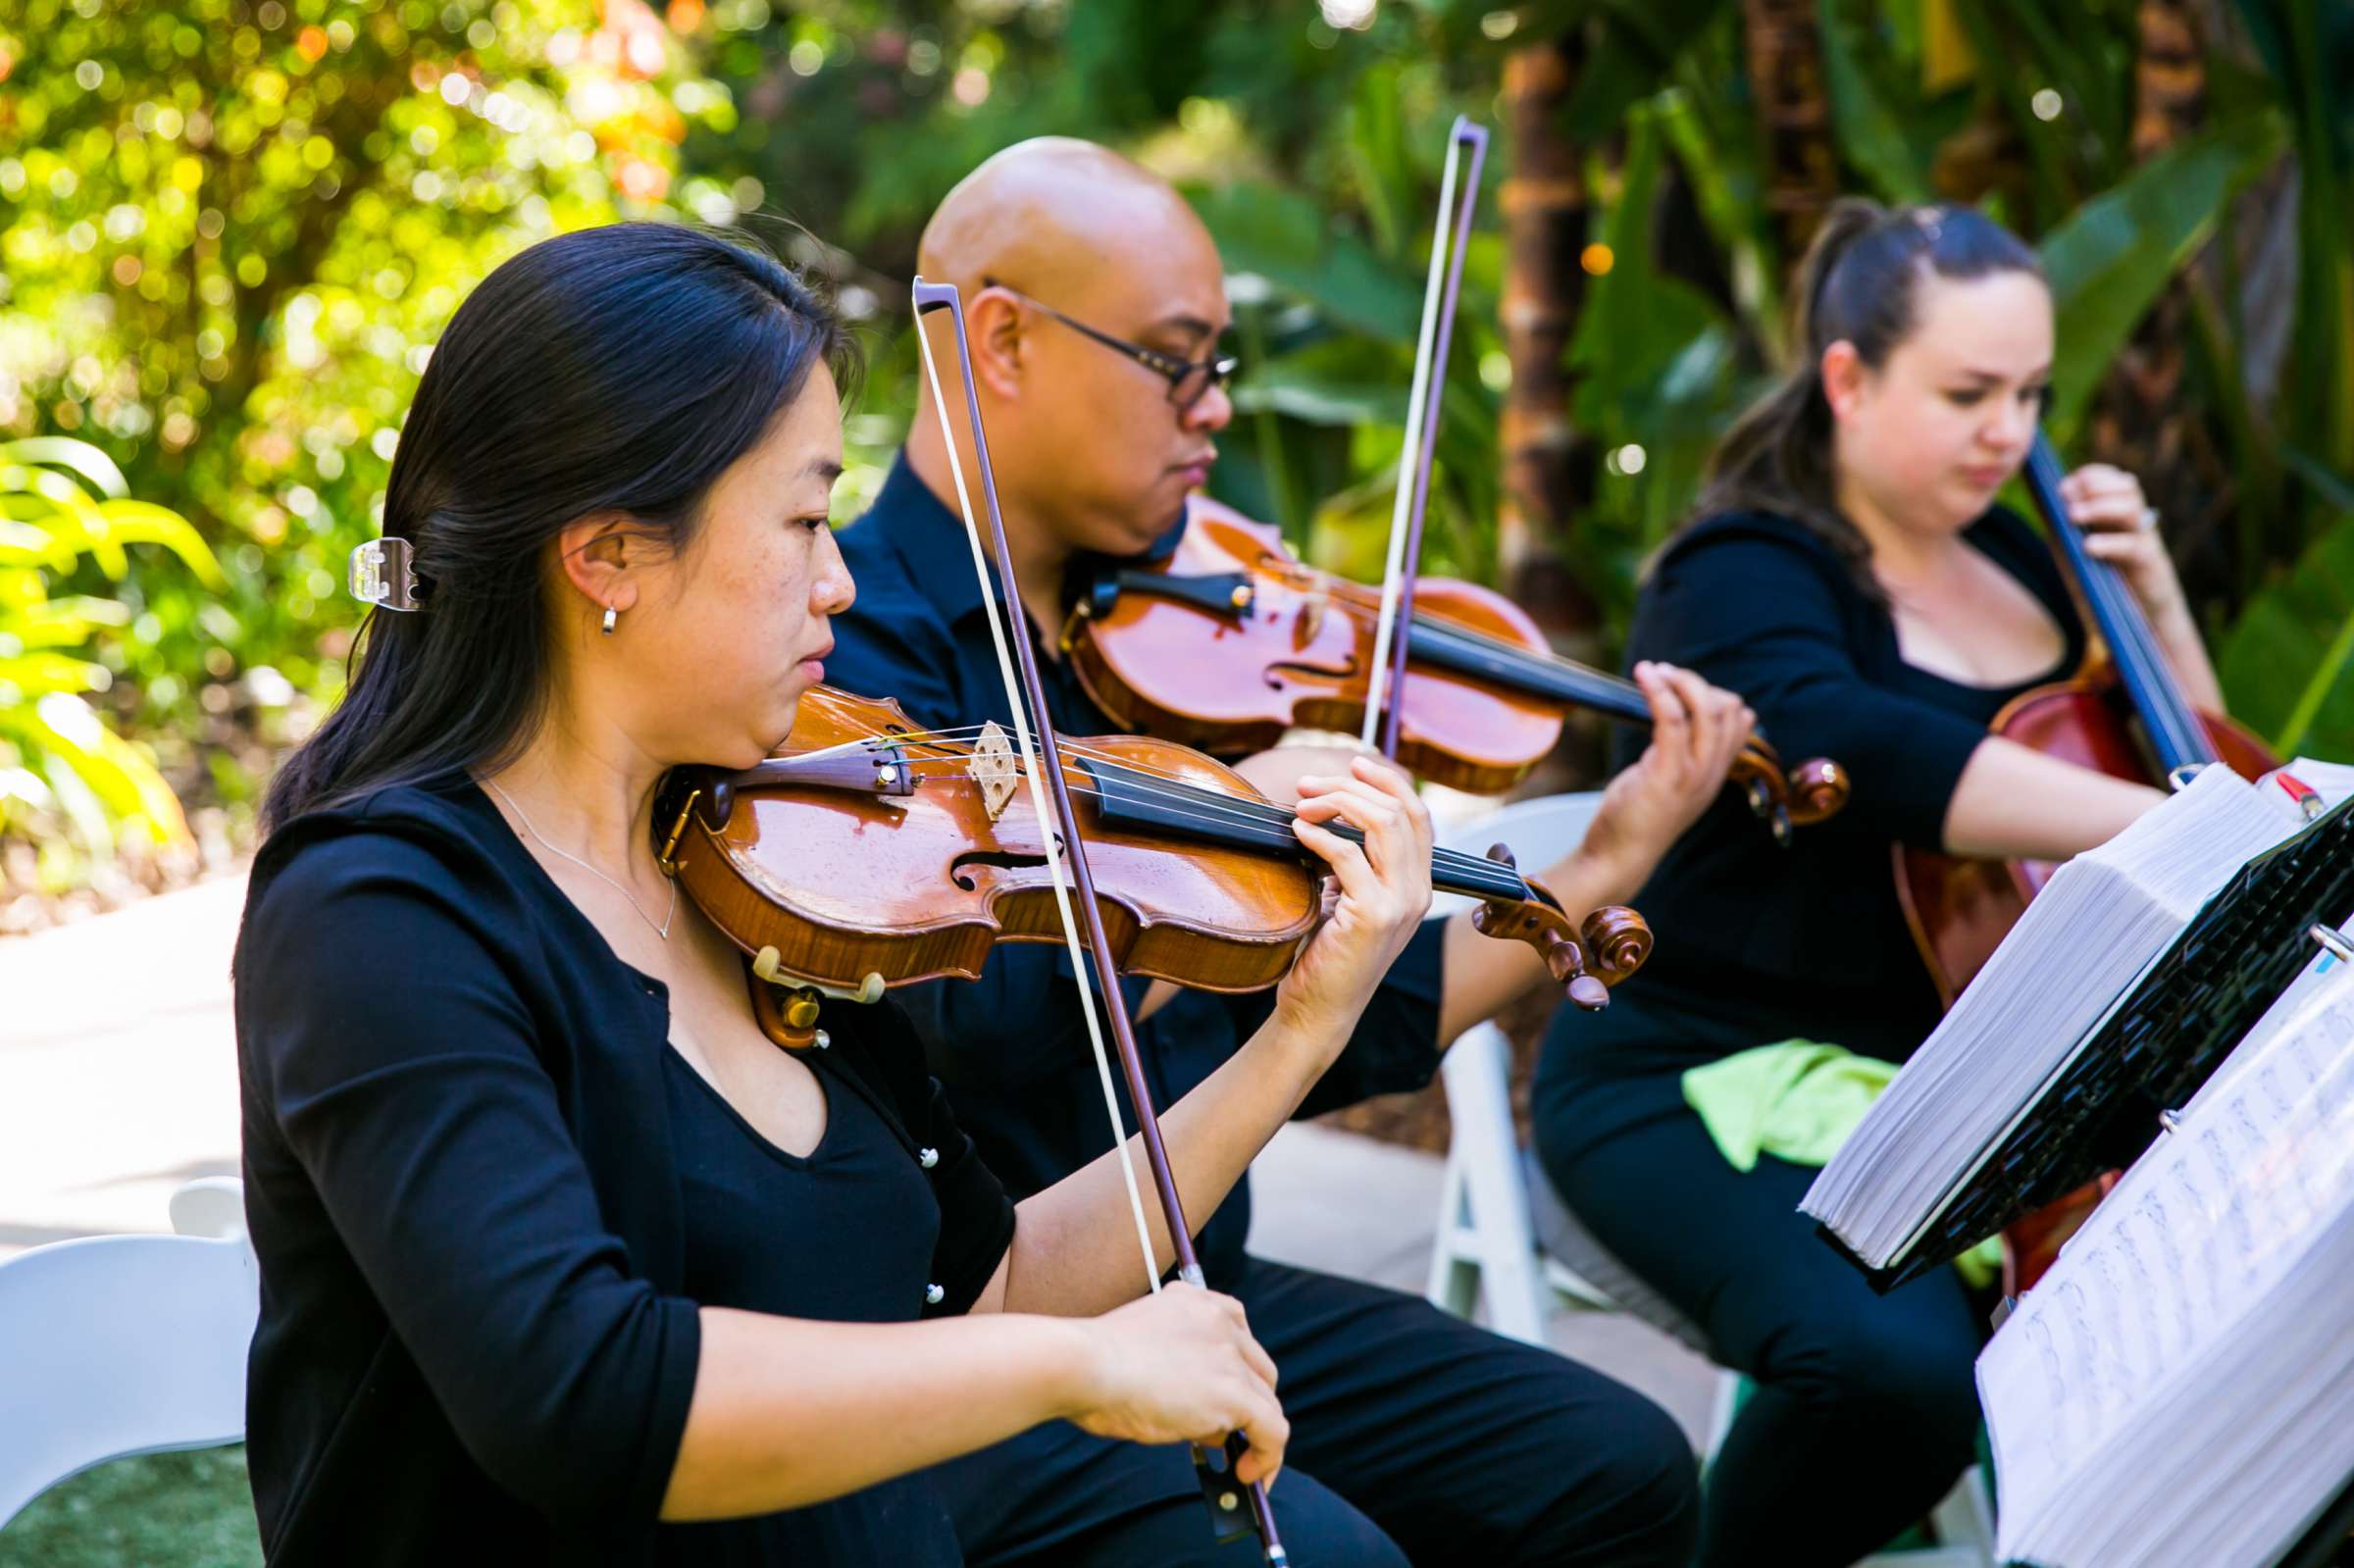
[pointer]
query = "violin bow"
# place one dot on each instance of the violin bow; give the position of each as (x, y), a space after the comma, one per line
(1050, 800)
(1458, 195)
(1387, 677)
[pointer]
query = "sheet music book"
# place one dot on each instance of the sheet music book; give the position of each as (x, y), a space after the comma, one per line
(2178, 1391)
(2133, 973)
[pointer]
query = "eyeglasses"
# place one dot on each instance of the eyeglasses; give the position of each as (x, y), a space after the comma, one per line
(1190, 381)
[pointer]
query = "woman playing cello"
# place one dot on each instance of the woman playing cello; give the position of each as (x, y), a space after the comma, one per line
(1851, 574)
(561, 1257)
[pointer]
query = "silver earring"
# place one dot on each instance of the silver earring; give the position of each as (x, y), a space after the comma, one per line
(612, 618)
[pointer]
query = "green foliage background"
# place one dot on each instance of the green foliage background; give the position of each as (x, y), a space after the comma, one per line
(231, 230)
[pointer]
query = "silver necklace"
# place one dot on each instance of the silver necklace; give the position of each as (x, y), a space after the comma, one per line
(662, 931)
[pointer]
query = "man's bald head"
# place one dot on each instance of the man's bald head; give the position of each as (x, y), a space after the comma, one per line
(1089, 446)
(1052, 214)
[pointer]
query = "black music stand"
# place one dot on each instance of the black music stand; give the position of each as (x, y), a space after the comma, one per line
(2152, 1050)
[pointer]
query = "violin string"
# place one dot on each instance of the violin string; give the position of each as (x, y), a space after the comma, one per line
(1264, 827)
(1209, 806)
(1187, 799)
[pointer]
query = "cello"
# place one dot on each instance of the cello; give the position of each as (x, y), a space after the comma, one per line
(2123, 713)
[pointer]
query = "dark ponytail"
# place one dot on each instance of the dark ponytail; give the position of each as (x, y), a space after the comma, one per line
(620, 368)
(1858, 282)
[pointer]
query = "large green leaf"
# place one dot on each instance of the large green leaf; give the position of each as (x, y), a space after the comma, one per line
(2288, 665)
(1287, 238)
(2111, 258)
(1646, 344)
(1868, 129)
(63, 452)
(1341, 380)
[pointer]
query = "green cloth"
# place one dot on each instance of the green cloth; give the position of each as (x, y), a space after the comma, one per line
(1798, 1100)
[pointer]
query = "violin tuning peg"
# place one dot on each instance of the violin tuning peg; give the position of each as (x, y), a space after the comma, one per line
(1761, 799)
(1567, 964)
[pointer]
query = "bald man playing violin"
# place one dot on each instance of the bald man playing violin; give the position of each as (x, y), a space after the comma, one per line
(1095, 300)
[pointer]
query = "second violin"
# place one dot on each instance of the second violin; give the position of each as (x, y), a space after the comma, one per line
(1237, 640)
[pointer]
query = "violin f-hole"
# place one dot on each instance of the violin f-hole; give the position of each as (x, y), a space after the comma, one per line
(1341, 669)
(1002, 859)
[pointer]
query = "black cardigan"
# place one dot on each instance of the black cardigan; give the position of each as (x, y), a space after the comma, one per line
(461, 1190)
(1809, 940)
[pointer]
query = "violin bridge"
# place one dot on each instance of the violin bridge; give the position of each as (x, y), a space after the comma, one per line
(1310, 623)
(991, 766)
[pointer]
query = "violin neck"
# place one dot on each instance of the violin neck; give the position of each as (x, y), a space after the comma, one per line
(1495, 662)
(2178, 736)
(1130, 797)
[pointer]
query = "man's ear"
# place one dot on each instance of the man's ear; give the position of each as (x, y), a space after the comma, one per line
(993, 323)
(1843, 374)
(601, 555)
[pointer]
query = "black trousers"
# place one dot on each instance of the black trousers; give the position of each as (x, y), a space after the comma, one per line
(1866, 1406)
(1416, 1437)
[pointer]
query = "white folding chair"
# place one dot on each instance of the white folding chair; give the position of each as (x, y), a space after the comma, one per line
(1505, 1237)
(1487, 1238)
(114, 1345)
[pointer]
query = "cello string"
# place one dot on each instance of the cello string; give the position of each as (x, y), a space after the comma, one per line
(2117, 614)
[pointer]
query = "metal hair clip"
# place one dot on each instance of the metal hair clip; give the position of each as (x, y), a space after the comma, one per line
(381, 575)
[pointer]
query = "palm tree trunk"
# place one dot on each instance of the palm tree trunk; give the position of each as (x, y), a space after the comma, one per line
(1548, 465)
(1784, 45)
(2139, 421)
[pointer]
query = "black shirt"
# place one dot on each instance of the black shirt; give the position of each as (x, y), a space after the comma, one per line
(481, 1240)
(757, 1217)
(1810, 941)
(1012, 1045)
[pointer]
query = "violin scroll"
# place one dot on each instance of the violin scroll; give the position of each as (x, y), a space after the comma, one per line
(1616, 936)
(1811, 792)
(1619, 940)
(1819, 788)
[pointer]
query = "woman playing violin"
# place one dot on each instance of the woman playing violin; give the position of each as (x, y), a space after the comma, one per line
(1095, 298)
(561, 1257)
(1851, 574)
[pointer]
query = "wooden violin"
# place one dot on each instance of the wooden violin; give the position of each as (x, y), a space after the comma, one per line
(1236, 640)
(868, 853)
(2122, 713)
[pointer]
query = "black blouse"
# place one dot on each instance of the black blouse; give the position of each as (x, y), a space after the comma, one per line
(487, 1208)
(1809, 940)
